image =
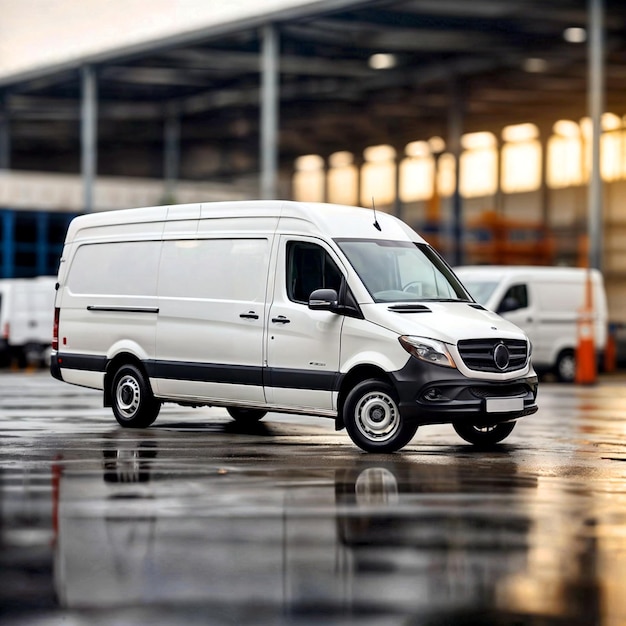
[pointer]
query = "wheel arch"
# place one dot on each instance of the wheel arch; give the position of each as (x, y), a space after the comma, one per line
(120, 359)
(559, 348)
(351, 379)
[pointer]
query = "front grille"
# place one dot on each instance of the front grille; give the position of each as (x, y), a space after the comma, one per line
(499, 391)
(479, 354)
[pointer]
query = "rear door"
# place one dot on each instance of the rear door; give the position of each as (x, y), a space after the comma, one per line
(303, 346)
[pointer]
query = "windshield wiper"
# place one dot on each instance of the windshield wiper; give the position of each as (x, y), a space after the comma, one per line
(442, 300)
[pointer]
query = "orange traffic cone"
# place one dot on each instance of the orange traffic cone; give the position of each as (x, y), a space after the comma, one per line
(610, 350)
(586, 370)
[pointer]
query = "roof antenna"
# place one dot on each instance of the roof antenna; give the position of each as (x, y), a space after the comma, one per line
(375, 220)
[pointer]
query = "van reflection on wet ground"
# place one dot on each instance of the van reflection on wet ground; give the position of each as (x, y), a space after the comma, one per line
(355, 535)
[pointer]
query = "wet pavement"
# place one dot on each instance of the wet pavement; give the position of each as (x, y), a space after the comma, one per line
(199, 521)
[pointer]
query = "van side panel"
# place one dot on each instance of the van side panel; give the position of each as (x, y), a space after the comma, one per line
(558, 308)
(211, 318)
(109, 304)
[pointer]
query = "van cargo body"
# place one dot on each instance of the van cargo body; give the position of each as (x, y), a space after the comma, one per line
(282, 306)
(546, 303)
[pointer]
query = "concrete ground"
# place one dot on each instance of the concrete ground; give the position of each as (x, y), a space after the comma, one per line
(199, 521)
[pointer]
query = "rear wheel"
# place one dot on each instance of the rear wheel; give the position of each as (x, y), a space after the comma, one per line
(373, 420)
(484, 435)
(565, 368)
(133, 403)
(245, 416)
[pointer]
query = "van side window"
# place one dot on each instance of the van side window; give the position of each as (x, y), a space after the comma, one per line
(214, 269)
(309, 267)
(102, 268)
(516, 297)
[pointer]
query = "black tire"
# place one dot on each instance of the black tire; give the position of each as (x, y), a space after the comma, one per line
(373, 420)
(484, 435)
(246, 416)
(133, 403)
(565, 366)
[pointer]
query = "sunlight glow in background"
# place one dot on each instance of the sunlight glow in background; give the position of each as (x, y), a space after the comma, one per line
(426, 169)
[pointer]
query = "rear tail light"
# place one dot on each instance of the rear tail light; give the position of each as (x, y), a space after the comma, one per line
(55, 329)
(6, 330)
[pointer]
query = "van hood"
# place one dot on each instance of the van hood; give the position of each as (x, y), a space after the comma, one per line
(445, 321)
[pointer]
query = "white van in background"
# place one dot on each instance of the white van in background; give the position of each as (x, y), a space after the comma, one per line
(25, 319)
(302, 308)
(546, 303)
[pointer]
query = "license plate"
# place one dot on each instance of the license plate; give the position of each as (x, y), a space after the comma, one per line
(504, 405)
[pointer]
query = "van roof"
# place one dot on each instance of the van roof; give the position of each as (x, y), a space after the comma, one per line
(333, 220)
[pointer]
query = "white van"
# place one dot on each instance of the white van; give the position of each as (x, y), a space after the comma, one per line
(546, 303)
(264, 306)
(26, 318)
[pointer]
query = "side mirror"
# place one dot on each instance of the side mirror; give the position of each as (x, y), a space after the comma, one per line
(323, 300)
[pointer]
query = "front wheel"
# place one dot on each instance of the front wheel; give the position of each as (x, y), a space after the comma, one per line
(484, 435)
(373, 420)
(245, 416)
(133, 404)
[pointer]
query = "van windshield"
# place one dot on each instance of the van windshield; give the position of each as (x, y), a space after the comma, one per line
(481, 290)
(401, 271)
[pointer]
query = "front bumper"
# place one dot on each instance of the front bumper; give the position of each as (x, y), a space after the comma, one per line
(431, 394)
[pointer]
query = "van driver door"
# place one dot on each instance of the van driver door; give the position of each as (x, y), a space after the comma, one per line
(303, 346)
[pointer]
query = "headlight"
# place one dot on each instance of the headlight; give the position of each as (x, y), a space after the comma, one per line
(427, 350)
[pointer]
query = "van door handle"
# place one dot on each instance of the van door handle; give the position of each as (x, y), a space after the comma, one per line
(281, 319)
(250, 315)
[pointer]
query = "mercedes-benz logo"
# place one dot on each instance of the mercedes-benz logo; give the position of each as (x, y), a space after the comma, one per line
(501, 356)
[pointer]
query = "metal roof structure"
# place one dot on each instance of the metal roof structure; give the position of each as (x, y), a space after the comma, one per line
(496, 62)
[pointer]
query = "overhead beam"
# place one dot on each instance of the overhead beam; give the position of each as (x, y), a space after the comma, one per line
(369, 35)
(222, 61)
(485, 9)
(156, 76)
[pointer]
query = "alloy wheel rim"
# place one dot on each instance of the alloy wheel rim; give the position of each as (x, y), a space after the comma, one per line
(128, 396)
(377, 416)
(568, 368)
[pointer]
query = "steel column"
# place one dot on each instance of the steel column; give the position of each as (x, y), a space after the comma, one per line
(455, 130)
(596, 108)
(88, 135)
(544, 190)
(5, 136)
(41, 260)
(171, 155)
(8, 243)
(398, 205)
(269, 112)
